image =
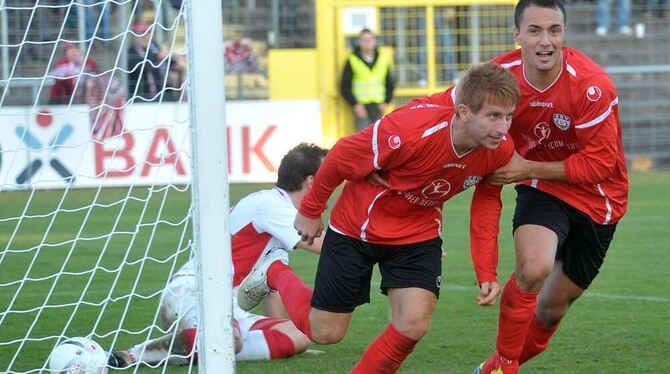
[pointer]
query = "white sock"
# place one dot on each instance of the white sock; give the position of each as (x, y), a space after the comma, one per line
(254, 347)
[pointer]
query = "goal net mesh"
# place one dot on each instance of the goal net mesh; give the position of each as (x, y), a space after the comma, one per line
(95, 167)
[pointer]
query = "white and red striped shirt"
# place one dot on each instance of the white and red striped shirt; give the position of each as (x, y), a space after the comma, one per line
(259, 222)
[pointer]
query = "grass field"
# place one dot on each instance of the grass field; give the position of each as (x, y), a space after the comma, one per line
(620, 325)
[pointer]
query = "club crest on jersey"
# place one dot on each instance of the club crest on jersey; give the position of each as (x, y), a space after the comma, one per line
(593, 93)
(437, 189)
(394, 141)
(471, 181)
(542, 132)
(561, 121)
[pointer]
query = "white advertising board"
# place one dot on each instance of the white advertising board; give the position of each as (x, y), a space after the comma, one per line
(46, 147)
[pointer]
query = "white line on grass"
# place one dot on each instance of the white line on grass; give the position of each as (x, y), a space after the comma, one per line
(448, 287)
(600, 295)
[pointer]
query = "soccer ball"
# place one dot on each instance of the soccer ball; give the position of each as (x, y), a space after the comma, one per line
(78, 356)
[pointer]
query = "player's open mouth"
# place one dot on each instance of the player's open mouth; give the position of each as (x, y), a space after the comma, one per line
(545, 55)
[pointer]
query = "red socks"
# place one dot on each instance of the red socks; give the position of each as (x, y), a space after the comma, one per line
(295, 295)
(537, 339)
(517, 307)
(386, 353)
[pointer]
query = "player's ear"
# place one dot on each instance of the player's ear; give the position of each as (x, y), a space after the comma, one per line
(516, 36)
(463, 111)
(307, 184)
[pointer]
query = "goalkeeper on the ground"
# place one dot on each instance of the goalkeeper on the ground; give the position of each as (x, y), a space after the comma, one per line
(259, 223)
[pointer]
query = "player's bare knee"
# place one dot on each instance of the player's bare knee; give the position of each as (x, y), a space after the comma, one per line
(414, 328)
(530, 276)
(327, 335)
(549, 314)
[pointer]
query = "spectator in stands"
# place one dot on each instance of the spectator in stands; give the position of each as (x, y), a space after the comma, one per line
(145, 63)
(367, 83)
(70, 85)
(622, 16)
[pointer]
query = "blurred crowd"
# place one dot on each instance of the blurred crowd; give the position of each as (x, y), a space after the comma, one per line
(153, 73)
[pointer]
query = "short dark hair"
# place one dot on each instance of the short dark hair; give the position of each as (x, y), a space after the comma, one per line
(523, 4)
(298, 164)
(366, 31)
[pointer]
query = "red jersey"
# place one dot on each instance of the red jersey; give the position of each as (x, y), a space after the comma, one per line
(412, 149)
(575, 120)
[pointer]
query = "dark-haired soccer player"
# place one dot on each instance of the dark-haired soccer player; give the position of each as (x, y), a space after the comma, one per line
(261, 225)
(573, 183)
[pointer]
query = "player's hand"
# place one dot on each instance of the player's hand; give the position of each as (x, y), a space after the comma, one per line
(377, 180)
(308, 228)
(359, 110)
(517, 169)
(488, 293)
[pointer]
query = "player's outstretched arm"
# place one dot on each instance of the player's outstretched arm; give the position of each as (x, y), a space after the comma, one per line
(519, 169)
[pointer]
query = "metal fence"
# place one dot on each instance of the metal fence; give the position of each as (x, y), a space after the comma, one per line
(639, 63)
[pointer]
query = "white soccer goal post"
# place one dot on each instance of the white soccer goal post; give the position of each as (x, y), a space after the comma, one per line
(113, 173)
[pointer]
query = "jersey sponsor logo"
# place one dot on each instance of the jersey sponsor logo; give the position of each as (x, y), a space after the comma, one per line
(454, 165)
(394, 141)
(437, 189)
(471, 181)
(558, 143)
(593, 93)
(541, 104)
(542, 132)
(418, 200)
(561, 121)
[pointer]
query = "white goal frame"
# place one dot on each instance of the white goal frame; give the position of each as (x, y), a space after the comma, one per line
(210, 185)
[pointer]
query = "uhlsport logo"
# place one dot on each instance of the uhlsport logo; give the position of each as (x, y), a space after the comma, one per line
(593, 93)
(32, 141)
(394, 141)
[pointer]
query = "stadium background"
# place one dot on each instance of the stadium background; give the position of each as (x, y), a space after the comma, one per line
(620, 327)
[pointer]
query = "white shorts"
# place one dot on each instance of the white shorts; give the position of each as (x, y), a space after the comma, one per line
(180, 303)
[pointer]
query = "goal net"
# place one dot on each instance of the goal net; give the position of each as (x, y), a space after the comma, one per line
(97, 153)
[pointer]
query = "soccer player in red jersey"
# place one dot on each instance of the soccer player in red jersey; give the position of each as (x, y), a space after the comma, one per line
(426, 153)
(572, 190)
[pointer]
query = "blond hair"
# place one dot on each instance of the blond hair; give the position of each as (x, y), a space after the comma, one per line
(487, 83)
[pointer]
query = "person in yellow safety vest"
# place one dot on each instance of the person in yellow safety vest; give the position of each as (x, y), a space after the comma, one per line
(367, 83)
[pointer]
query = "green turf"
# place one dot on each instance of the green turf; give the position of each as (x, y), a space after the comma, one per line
(621, 325)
